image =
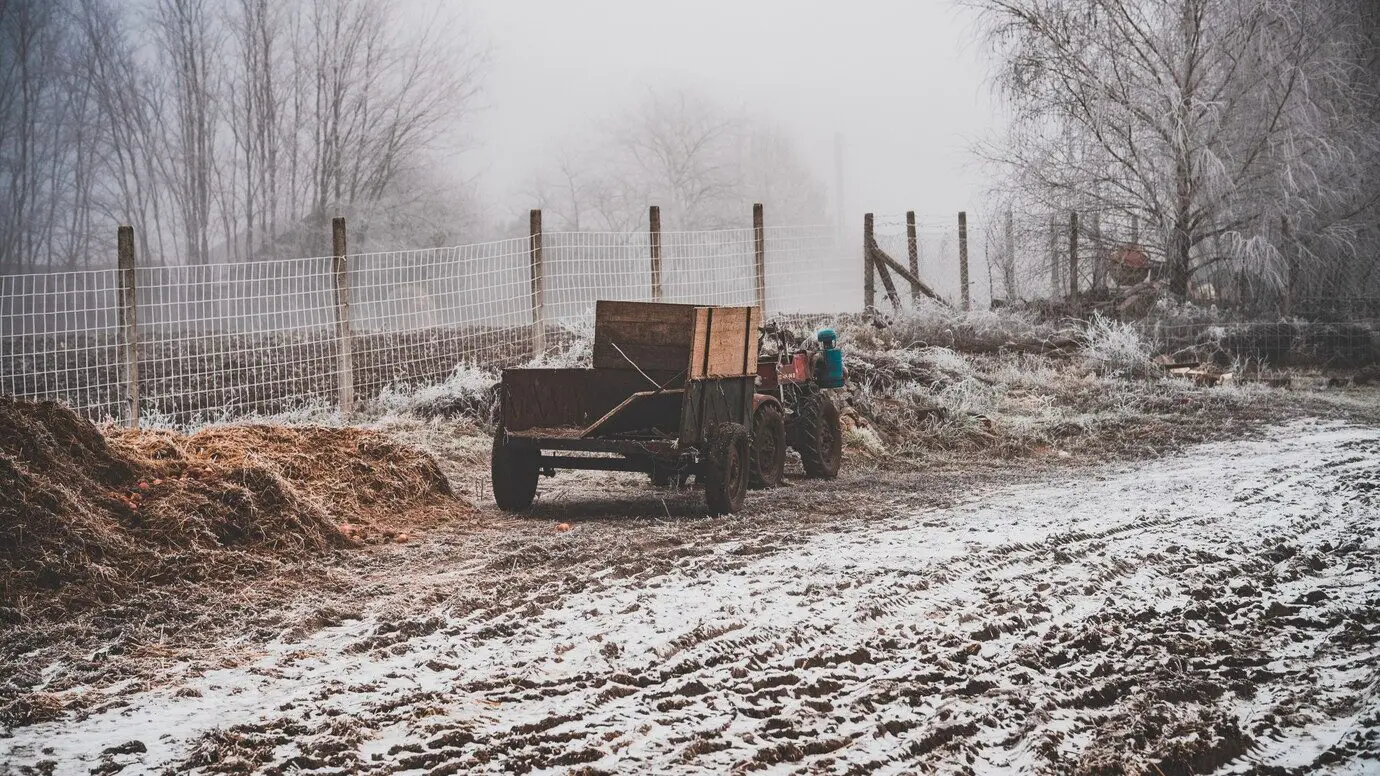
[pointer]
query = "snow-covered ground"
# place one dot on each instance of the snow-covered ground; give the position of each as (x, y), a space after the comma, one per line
(1218, 610)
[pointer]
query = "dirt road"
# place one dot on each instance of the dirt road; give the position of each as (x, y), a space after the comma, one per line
(1217, 610)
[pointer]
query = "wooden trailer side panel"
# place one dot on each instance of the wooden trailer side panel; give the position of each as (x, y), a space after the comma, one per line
(568, 398)
(654, 336)
(725, 342)
(712, 401)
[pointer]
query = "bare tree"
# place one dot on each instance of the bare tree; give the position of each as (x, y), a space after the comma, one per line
(1215, 122)
(702, 164)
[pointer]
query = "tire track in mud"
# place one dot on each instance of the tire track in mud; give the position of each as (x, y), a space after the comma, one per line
(1220, 610)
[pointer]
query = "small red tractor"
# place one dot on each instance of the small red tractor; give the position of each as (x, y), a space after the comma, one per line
(791, 407)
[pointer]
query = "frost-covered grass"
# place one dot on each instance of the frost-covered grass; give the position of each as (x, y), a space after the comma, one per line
(937, 399)
(975, 331)
(1116, 349)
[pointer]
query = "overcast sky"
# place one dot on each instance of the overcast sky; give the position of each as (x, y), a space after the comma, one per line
(900, 79)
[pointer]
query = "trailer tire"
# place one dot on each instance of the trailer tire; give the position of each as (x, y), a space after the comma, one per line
(768, 447)
(725, 474)
(819, 437)
(514, 471)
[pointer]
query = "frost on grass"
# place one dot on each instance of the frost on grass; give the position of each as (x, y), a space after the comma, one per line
(468, 392)
(974, 331)
(1116, 349)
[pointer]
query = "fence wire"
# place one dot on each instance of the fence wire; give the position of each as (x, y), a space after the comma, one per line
(261, 338)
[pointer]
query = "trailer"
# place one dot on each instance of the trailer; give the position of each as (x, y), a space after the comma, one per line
(671, 393)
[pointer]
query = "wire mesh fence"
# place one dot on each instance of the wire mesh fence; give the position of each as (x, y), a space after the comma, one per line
(218, 341)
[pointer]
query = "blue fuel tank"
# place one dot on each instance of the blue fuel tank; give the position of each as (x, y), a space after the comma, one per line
(831, 375)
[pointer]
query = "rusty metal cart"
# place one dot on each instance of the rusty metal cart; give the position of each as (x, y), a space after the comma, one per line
(671, 393)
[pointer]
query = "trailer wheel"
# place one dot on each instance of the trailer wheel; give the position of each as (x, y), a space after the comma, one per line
(725, 472)
(768, 447)
(819, 438)
(514, 471)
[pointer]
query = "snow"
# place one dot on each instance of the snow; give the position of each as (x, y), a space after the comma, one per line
(946, 626)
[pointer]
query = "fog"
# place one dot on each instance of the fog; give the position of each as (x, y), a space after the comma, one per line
(900, 80)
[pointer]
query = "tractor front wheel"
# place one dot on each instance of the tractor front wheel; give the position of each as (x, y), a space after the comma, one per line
(725, 474)
(768, 447)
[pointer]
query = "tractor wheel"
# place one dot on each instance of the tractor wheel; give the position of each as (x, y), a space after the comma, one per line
(768, 447)
(725, 474)
(514, 471)
(818, 437)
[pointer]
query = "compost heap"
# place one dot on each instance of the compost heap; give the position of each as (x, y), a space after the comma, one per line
(85, 519)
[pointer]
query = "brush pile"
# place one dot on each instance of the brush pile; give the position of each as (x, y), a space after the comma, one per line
(85, 519)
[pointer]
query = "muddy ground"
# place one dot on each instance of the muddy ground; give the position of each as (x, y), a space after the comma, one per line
(1213, 610)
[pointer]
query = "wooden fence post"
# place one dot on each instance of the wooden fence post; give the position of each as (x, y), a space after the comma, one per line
(1073, 255)
(963, 258)
(129, 320)
(340, 271)
(869, 288)
(654, 224)
(1009, 274)
(759, 246)
(538, 304)
(1054, 261)
(1099, 253)
(913, 249)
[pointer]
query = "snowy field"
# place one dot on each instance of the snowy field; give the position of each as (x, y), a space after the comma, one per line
(1213, 611)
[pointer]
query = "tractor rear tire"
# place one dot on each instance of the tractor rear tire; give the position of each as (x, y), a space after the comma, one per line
(768, 447)
(725, 474)
(514, 471)
(819, 436)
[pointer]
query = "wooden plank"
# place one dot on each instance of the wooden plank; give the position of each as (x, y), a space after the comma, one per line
(712, 401)
(881, 257)
(646, 357)
(728, 336)
(659, 334)
(567, 398)
(644, 410)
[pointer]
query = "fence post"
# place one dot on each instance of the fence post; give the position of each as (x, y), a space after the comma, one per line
(654, 224)
(1099, 253)
(538, 305)
(1054, 262)
(340, 272)
(759, 247)
(869, 289)
(129, 321)
(1009, 275)
(1073, 255)
(913, 250)
(963, 258)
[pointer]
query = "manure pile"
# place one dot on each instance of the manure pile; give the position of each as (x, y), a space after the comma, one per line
(86, 518)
